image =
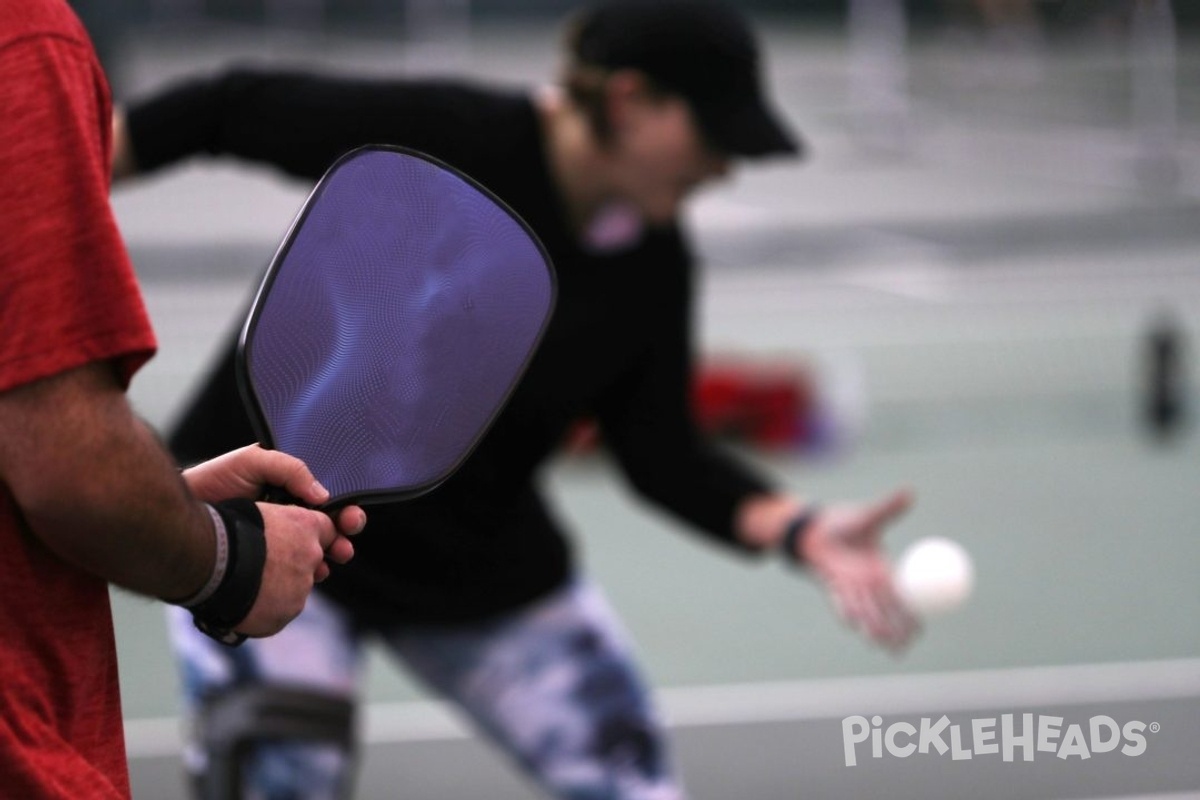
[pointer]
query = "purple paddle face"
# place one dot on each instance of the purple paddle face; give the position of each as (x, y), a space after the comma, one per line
(394, 322)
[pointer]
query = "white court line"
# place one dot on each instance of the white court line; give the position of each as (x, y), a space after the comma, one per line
(791, 701)
(944, 692)
(1162, 796)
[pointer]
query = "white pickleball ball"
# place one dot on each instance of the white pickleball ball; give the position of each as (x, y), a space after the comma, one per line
(934, 575)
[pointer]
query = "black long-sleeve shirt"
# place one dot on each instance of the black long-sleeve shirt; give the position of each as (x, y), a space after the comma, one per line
(617, 348)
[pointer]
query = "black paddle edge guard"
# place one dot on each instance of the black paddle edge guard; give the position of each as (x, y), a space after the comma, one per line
(250, 398)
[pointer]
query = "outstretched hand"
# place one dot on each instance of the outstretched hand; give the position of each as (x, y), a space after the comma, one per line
(842, 547)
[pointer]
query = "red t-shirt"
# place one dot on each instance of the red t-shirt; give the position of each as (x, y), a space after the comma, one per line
(68, 297)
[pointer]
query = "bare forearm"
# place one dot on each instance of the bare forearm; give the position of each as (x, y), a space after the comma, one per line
(96, 487)
(762, 519)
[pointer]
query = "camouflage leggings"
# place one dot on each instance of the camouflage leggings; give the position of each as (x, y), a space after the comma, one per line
(553, 685)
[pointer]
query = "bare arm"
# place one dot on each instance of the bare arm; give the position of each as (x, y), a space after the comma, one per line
(96, 487)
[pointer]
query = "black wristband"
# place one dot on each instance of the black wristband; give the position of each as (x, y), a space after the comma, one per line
(794, 532)
(234, 597)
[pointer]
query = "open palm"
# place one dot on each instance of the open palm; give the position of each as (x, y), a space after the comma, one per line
(842, 547)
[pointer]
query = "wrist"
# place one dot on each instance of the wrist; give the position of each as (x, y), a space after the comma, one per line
(791, 542)
(227, 598)
(220, 562)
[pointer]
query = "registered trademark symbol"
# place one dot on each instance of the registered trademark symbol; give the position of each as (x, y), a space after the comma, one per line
(1155, 727)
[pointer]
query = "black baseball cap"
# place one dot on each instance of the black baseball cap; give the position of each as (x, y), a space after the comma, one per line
(705, 52)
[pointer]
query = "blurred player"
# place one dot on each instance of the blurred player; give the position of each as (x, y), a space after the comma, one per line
(477, 592)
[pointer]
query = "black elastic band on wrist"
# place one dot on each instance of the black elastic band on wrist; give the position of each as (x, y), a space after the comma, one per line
(794, 532)
(232, 600)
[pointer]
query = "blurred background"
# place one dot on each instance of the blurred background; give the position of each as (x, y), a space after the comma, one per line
(984, 283)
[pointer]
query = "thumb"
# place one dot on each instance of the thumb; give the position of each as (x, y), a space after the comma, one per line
(890, 508)
(293, 476)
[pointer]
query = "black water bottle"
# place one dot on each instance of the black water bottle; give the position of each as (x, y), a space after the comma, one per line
(1165, 399)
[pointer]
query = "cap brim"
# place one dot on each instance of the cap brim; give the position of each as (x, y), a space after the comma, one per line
(749, 129)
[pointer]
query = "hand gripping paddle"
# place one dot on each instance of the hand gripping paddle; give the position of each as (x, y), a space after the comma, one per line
(392, 325)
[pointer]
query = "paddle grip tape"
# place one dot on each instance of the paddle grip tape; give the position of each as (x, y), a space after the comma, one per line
(794, 532)
(237, 575)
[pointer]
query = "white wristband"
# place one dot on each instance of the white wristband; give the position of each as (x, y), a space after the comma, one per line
(220, 565)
